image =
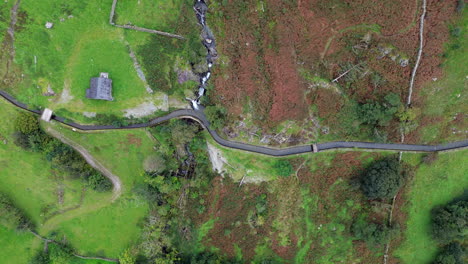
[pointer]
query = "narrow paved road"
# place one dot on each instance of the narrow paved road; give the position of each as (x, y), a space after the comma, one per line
(199, 116)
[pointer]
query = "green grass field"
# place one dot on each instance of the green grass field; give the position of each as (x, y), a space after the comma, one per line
(80, 45)
(5, 17)
(15, 247)
(433, 185)
(99, 226)
(159, 15)
(445, 98)
(123, 152)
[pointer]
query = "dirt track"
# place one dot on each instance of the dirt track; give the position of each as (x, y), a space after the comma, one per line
(91, 161)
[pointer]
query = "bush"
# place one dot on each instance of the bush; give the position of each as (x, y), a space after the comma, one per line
(26, 123)
(460, 6)
(379, 114)
(60, 253)
(453, 253)
(11, 216)
(283, 168)
(40, 258)
(450, 222)
(216, 115)
(382, 179)
(430, 158)
(127, 258)
(99, 183)
(373, 234)
(21, 140)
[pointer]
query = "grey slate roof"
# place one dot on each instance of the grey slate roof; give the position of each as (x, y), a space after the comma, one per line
(100, 88)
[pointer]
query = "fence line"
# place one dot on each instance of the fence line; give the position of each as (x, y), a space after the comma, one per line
(147, 30)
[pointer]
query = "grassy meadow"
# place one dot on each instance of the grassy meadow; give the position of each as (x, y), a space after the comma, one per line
(90, 228)
(148, 13)
(123, 152)
(15, 246)
(445, 98)
(433, 185)
(82, 44)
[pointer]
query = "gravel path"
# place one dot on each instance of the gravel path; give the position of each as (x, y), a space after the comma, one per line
(91, 161)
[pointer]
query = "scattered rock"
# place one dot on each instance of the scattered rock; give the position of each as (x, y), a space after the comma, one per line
(186, 75)
(265, 139)
(66, 96)
(142, 110)
(89, 114)
(216, 158)
(200, 67)
(49, 92)
(404, 62)
(230, 132)
(49, 25)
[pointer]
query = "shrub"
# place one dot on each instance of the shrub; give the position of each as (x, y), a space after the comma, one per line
(382, 179)
(283, 168)
(460, 6)
(61, 253)
(450, 222)
(373, 234)
(99, 183)
(375, 113)
(26, 123)
(11, 216)
(216, 115)
(38, 141)
(430, 158)
(456, 32)
(453, 253)
(22, 140)
(41, 257)
(127, 258)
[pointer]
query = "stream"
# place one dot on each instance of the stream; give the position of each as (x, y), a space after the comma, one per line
(209, 42)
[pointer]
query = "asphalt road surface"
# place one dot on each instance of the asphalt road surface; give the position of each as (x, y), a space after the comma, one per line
(199, 116)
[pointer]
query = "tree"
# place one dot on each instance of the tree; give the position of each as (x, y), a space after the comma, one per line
(182, 132)
(127, 258)
(379, 114)
(382, 179)
(169, 258)
(453, 253)
(450, 222)
(154, 240)
(216, 115)
(26, 123)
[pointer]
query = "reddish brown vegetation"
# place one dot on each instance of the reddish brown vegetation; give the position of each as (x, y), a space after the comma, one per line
(133, 140)
(267, 47)
(230, 206)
